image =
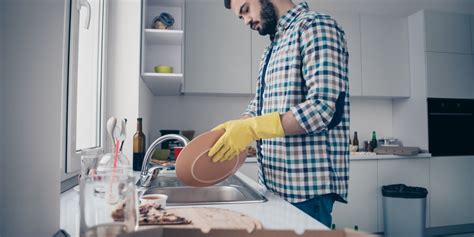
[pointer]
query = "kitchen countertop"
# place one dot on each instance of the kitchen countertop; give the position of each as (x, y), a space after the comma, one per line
(366, 156)
(275, 214)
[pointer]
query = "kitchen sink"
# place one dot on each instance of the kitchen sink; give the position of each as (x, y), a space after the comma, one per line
(232, 190)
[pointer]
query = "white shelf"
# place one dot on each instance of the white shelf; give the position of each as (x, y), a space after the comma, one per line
(167, 37)
(164, 83)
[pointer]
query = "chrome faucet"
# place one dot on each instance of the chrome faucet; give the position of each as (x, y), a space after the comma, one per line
(147, 175)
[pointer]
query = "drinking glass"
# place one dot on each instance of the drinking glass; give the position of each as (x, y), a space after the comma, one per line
(108, 204)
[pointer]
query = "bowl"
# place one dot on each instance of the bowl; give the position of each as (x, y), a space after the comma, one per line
(163, 69)
(154, 199)
(195, 168)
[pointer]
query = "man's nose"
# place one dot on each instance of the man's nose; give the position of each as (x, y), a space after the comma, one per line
(247, 20)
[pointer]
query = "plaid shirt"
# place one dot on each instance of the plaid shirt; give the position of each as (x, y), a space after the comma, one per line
(306, 69)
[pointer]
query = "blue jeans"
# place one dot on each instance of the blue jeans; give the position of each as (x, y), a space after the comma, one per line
(320, 208)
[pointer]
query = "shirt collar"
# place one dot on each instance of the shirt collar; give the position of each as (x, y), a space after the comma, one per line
(285, 21)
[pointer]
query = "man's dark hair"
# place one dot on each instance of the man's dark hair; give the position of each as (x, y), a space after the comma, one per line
(227, 4)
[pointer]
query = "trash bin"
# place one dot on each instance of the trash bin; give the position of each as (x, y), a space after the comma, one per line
(404, 210)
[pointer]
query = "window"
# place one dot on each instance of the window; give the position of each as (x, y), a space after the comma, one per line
(85, 110)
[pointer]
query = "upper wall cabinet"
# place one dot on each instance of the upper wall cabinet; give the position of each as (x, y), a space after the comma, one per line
(449, 59)
(448, 32)
(217, 50)
(385, 56)
(450, 75)
(351, 26)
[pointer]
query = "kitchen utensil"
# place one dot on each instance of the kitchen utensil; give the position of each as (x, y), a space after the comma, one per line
(195, 168)
(164, 69)
(124, 130)
(207, 218)
(119, 132)
(111, 123)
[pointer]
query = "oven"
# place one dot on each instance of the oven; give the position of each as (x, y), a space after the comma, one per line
(451, 127)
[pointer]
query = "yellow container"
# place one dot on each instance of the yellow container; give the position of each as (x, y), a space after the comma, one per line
(163, 69)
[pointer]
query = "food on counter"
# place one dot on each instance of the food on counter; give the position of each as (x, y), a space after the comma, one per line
(153, 214)
(118, 214)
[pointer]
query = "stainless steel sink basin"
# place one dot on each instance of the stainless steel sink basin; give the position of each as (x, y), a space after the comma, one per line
(232, 190)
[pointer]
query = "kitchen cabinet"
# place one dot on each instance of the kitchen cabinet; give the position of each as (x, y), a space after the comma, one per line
(385, 59)
(217, 51)
(351, 26)
(451, 182)
(362, 207)
(450, 75)
(162, 47)
(412, 172)
(448, 32)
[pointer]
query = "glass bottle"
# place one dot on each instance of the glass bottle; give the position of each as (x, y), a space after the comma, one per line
(373, 142)
(139, 146)
(355, 142)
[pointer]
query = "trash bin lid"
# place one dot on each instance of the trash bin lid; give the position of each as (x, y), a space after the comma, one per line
(403, 191)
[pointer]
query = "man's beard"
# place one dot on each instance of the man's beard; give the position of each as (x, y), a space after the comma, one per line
(269, 18)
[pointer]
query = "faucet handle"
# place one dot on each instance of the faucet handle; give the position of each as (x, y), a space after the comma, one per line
(145, 179)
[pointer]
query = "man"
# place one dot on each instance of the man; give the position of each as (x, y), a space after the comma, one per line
(300, 114)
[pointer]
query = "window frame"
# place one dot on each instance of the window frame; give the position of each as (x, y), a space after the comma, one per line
(70, 164)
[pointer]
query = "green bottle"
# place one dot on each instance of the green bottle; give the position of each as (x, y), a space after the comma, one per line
(373, 142)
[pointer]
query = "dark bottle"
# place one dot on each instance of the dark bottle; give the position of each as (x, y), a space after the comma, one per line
(139, 147)
(355, 142)
(373, 142)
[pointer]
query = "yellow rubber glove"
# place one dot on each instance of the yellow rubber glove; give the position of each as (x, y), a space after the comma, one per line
(240, 133)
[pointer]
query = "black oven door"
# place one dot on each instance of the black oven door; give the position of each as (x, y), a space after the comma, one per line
(451, 127)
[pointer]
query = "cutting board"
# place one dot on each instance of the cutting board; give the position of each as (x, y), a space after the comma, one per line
(207, 218)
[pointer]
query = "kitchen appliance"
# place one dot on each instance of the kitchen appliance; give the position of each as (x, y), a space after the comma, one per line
(450, 126)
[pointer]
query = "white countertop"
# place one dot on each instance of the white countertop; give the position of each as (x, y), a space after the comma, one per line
(273, 214)
(366, 156)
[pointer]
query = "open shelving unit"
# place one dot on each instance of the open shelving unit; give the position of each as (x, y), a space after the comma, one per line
(163, 47)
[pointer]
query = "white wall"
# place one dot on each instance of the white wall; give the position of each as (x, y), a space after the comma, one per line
(146, 100)
(32, 81)
(123, 64)
(202, 113)
(369, 115)
(410, 120)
